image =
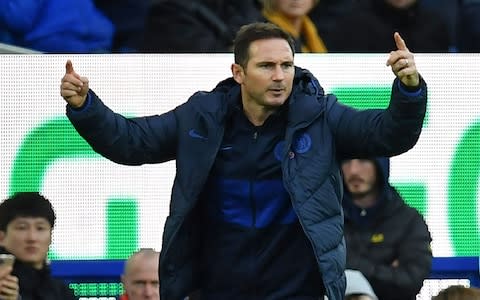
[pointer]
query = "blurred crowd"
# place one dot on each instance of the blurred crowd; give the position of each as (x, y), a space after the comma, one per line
(193, 26)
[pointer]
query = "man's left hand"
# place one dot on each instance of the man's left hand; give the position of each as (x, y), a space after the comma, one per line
(402, 63)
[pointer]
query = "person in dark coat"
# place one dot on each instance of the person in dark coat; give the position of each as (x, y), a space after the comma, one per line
(26, 224)
(370, 24)
(387, 240)
(255, 210)
(196, 26)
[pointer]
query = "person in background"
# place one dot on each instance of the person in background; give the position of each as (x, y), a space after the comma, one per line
(128, 18)
(55, 26)
(140, 276)
(9, 289)
(292, 16)
(196, 26)
(387, 240)
(256, 209)
(26, 223)
(469, 26)
(358, 287)
(458, 292)
(367, 28)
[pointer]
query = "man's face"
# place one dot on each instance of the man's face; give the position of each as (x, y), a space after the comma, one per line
(360, 176)
(28, 238)
(267, 79)
(401, 4)
(294, 8)
(141, 279)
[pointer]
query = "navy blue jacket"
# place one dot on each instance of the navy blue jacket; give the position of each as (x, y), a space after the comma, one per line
(319, 131)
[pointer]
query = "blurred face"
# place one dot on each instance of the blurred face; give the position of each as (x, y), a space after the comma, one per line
(294, 8)
(360, 176)
(401, 3)
(267, 80)
(28, 238)
(141, 279)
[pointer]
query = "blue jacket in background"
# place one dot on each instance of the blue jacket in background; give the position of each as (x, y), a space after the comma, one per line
(319, 132)
(59, 26)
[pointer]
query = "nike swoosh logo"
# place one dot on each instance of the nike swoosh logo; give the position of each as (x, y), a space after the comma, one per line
(194, 134)
(226, 148)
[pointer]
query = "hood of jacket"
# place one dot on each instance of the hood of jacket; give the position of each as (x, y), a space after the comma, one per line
(367, 215)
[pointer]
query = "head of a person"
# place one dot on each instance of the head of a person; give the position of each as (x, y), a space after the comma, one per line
(458, 292)
(264, 65)
(401, 4)
(26, 224)
(140, 276)
(291, 9)
(364, 178)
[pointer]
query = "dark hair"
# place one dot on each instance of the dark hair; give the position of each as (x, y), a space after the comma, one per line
(25, 204)
(458, 292)
(253, 32)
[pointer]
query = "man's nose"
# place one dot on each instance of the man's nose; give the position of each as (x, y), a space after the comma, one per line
(32, 234)
(278, 73)
(150, 290)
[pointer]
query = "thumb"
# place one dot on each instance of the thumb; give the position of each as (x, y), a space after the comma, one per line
(69, 67)
(399, 42)
(5, 271)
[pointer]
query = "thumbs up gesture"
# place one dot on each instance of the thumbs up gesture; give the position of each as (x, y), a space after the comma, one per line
(403, 64)
(74, 88)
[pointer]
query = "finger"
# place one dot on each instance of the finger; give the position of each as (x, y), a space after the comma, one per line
(399, 42)
(68, 93)
(75, 80)
(5, 270)
(84, 80)
(70, 86)
(69, 67)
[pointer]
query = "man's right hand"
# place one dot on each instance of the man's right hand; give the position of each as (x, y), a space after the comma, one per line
(9, 289)
(74, 88)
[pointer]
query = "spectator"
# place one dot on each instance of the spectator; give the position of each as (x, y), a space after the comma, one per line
(387, 240)
(196, 26)
(8, 283)
(292, 16)
(55, 26)
(458, 292)
(358, 287)
(26, 224)
(255, 209)
(140, 276)
(469, 26)
(325, 16)
(371, 23)
(128, 18)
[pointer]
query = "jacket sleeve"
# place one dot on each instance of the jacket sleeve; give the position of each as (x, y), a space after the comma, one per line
(376, 132)
(414, 262)
(130, 141)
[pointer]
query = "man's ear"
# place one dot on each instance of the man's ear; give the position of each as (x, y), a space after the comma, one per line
(2, 237)
(238, 73)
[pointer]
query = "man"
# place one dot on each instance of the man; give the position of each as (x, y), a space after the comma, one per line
(140, 277)
(255, 210)
(26, 224)
(387, 240)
